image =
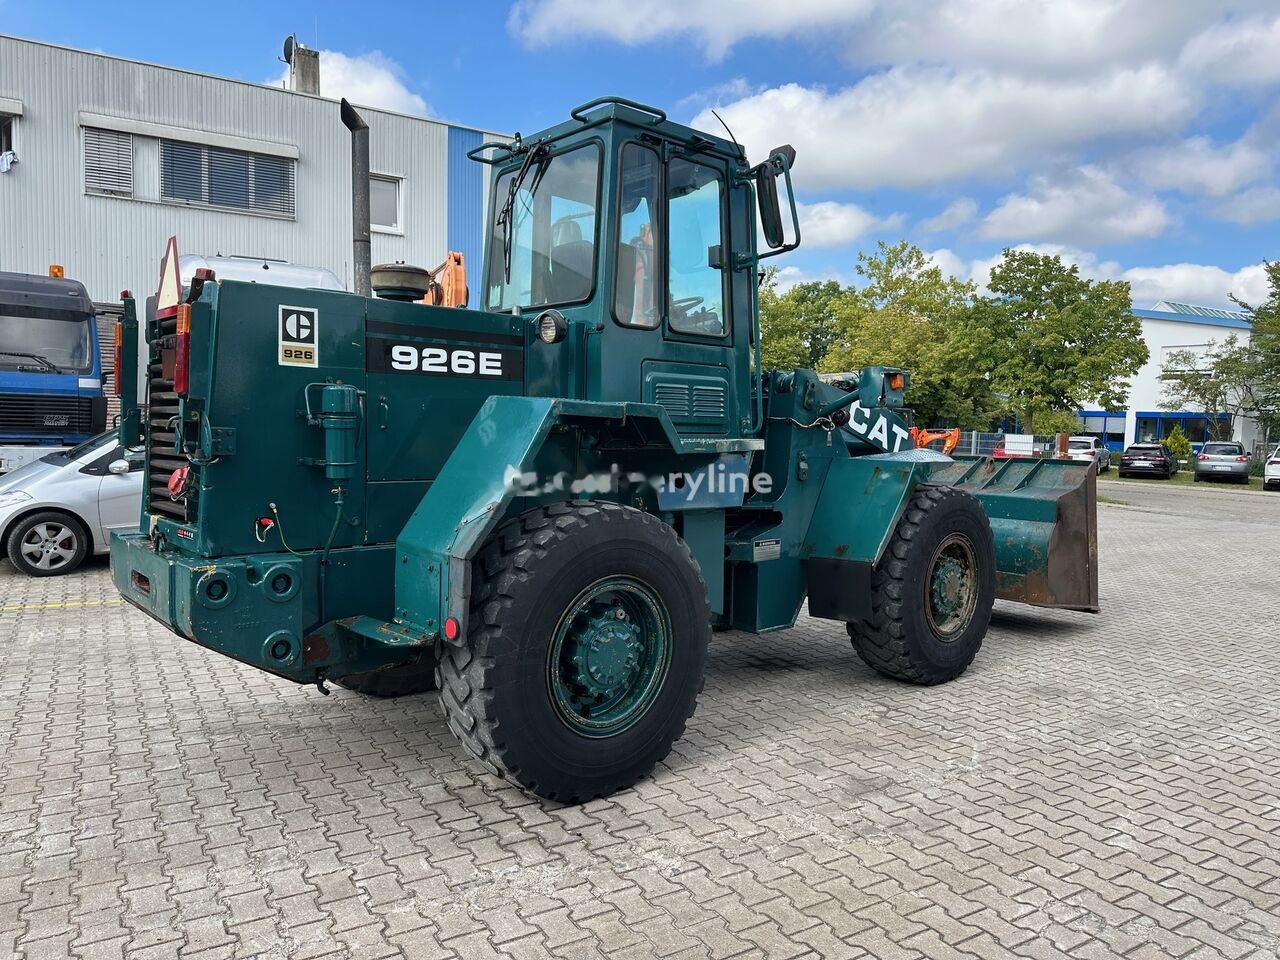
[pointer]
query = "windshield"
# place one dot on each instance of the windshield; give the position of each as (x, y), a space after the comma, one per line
(1223, 449)
(44, 343)
(1144, 448)
(543, 234)
(80, 449)
(1080, 444)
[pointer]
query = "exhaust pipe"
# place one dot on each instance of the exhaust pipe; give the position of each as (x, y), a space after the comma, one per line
(363, 256)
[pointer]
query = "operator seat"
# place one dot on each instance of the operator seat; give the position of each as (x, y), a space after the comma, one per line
(571, 258)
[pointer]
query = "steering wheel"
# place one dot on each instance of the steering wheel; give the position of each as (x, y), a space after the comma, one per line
(685, 304)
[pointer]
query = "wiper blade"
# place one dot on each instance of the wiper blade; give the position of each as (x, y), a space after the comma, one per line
(43, 361)
(535, 156)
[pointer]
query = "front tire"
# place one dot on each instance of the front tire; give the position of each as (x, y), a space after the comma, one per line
(933, 592)
(585, 650)
(48, 544)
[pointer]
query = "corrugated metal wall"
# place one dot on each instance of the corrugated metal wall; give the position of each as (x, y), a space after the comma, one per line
(466, 205)
(110, 243)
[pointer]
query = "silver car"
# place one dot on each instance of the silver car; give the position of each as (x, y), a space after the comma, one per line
(1090, 450)
(1222, 461)
(58, 510)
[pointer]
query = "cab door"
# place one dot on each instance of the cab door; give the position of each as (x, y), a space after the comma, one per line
(674, 264)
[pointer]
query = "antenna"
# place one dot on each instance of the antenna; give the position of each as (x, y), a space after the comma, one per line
(729, 132)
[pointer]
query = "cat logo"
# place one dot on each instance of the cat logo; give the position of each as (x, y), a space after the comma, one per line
(298, 335)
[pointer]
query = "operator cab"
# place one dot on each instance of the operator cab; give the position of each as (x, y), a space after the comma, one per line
(635, 238)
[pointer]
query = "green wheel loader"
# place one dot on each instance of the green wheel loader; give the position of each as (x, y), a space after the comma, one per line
(543, 504)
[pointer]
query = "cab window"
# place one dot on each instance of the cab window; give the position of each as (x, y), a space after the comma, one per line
(636, 297)
(695, 248)
(543, 235)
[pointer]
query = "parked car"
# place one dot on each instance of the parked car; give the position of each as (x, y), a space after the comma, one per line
(56, 511)
(1222, 461)
(1090, 449)
(1148, 459)
(1271, 472)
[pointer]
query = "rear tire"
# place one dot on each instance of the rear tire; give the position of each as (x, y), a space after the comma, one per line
(403, 681)
(585, 651)
(47, 544)
(933, 592)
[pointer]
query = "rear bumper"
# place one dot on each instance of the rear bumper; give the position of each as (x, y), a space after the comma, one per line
(264, 609)
(251, 609)
(1209, 469)
(1150, 470)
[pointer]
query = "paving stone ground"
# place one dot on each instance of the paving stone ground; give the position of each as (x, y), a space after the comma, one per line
(1094, 786)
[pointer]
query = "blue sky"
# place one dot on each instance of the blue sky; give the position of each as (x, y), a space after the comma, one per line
(1135, 137)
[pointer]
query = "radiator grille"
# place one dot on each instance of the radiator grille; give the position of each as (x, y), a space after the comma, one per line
(41, 415)
(161, 431)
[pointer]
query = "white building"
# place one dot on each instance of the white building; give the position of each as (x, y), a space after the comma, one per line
(108, 157)
(1168, 327)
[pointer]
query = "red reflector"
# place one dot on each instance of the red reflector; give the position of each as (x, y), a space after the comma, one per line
(452, 628)
(182, 351)
(177, 480)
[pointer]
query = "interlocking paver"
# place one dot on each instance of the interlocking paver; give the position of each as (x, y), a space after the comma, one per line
(1093, 787)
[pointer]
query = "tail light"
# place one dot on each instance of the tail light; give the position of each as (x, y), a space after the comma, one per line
(1203, 456)
(116, 374)
(182, 351)
(1242, 459)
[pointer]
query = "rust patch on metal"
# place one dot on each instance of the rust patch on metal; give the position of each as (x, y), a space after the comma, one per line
(842, 550)
(315, 649)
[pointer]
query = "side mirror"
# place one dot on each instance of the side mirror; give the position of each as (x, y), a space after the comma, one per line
(781, 159)
(770, 211)
(118, 466)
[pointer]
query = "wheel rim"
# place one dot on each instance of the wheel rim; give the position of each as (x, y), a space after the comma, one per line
(609, 656)
(49, 545)
(951, 587)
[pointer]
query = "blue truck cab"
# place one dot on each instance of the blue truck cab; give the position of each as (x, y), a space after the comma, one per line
(51, 393)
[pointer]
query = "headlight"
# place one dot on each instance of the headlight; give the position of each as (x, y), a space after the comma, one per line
(551, 326)
(14, 496)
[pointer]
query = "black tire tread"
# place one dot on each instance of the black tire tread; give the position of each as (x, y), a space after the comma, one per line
(881, 641)
(462, 675)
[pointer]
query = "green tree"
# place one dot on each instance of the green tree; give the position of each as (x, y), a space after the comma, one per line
(1214, 382)
(910, 314)
(798, 326)
(1062, 341)
(1179, 445)
(1264, 355)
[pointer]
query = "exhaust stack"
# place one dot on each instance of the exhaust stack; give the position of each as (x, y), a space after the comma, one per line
(363, 257)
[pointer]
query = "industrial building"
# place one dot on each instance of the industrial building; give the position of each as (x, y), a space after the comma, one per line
(1170, 327)
(103, 158)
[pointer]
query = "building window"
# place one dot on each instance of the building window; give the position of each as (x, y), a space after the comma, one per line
(229, 179)
(384, 202)
(108, 162)
(6, 132)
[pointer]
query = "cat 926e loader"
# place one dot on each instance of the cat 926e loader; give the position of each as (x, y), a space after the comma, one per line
(543, 504)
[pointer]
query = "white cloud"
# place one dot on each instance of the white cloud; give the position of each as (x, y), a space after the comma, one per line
(714, 24)
(911, 126)
(788, 277)
(1241, 52)
(1255, 205)
(1037, 37)
(955, 215)
(369, 79)
(1086, 207)
(831, 224)
(1197, 166)
(1196, 283)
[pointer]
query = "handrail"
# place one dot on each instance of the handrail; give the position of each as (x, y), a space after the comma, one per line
(474, 152)
(659, 116)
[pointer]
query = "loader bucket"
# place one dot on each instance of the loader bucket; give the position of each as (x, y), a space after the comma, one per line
(1044, 518)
